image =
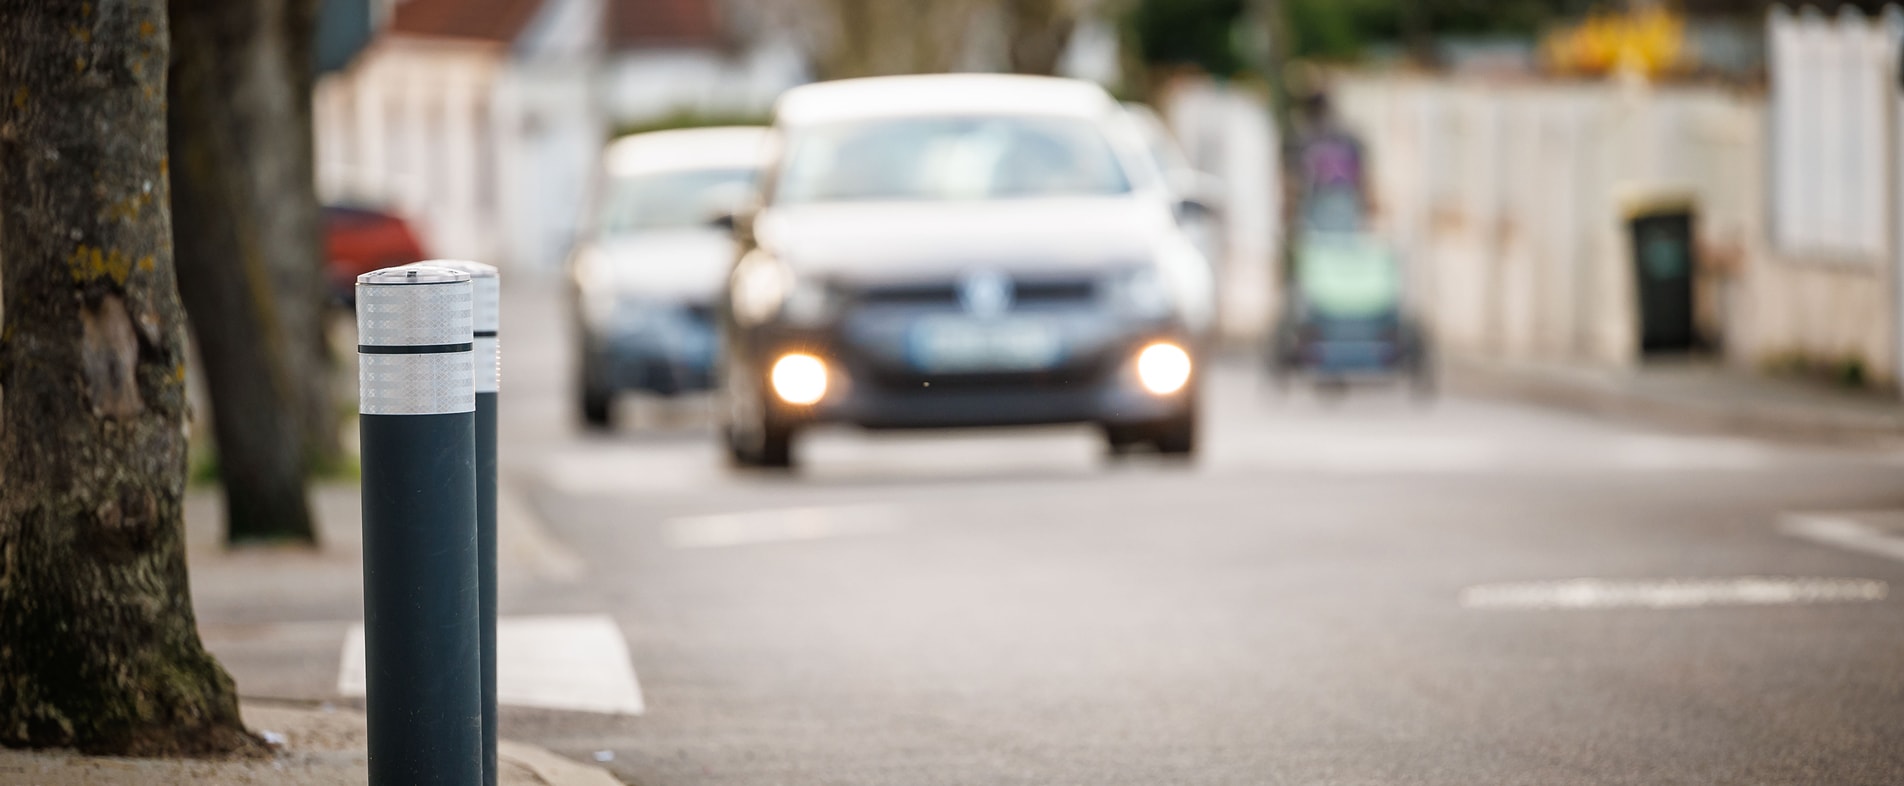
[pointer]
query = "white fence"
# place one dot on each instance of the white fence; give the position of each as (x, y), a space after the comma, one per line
(1509, 201)
(1833, 99)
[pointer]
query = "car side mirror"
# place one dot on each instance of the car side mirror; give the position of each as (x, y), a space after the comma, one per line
(1190, 208)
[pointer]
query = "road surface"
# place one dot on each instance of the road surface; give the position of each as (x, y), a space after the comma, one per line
(1364, 591)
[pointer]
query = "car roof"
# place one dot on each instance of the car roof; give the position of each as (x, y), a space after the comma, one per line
(939, 95)
(726, 147)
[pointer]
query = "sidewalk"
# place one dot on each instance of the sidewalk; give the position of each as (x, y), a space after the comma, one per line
(277, 617)
(317, 747)
(1694, 396)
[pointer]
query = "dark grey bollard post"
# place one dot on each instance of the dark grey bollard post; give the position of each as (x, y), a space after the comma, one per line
(416, 383)
(487, 299)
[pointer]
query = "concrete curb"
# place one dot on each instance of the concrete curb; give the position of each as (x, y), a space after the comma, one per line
(319, 747)
(1604, 394)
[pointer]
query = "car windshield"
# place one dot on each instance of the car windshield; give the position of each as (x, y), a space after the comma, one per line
(671, 200)
(950, 158)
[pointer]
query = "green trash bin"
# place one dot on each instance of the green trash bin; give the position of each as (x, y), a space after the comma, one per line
(1664, 261)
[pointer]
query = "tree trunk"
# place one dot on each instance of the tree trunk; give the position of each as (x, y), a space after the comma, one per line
(882, 37)
(98, 646)
(285, 155)
(1038, 32)
(245, 220)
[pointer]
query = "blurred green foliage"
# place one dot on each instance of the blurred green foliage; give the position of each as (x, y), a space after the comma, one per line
(690, 118)
(1200, 33)
(1209, 33)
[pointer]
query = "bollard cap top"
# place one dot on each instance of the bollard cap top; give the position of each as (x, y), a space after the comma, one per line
(412, 274)
(474, 269)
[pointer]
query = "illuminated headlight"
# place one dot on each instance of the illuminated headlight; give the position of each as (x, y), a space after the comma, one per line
(1163, 368)
(799, 379)
(760, 286)
(1141, 293)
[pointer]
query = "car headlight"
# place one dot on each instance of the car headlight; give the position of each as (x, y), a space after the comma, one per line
(760, 285)
(1142, 293)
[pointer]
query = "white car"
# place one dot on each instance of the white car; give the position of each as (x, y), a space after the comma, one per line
(957, 251)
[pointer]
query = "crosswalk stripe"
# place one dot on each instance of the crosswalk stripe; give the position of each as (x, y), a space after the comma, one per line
(575, 663)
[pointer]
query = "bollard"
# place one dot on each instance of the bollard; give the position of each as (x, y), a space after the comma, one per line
(486, 294)
(417, 426)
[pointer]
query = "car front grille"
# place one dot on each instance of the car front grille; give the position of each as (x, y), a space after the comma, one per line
(702, 313)
(1027, 293)
(1076, 376)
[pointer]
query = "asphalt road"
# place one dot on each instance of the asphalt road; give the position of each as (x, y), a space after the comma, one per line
(1299, 606)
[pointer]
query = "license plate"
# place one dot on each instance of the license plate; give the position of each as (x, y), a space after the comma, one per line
(969, 345)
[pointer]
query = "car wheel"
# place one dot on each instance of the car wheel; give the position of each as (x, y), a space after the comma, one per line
(597, 403)
(776, 448)
(1177, 437)
(1121, 441)
(754, 440)
(597, 410)
(765, 448)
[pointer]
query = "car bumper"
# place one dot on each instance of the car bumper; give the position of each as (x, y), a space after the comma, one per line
(655, 364)
(1101, 387)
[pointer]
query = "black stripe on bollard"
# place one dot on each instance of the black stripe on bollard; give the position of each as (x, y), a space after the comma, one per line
(486, 301)
(431, 349)
(421, 591)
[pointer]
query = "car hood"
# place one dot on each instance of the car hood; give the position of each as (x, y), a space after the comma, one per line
(874, 242)
(686, 264)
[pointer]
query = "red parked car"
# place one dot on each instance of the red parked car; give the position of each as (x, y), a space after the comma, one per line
(358, 240)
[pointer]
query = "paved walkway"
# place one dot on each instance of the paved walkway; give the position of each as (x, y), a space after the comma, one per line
(316, 747)
(1696, 396)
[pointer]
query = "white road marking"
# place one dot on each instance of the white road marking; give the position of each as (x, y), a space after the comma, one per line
(634, 471)
(1846, 533)
(575, 663)
(781, 525)
(1670, 593)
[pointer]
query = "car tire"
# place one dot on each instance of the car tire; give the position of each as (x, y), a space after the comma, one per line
(753, 439)
(772, 449)
(776, 448)
(1121, 441)
(1177, 437)
(598, 408)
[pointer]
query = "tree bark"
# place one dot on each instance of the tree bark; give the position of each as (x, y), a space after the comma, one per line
(98, 646)
(245, 217)
(881, 37)
(1037, 33)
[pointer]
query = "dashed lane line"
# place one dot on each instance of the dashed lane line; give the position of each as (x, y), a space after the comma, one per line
(781, 525)
(1844, 532)
(1675, 593)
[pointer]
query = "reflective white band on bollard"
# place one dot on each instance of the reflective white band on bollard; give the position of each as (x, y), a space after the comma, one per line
(414, 329)
(486, 307)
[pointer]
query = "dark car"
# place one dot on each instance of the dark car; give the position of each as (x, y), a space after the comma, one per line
(954, 251)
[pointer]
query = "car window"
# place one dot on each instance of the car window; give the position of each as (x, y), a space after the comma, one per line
(950, 158)
(671, 200)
